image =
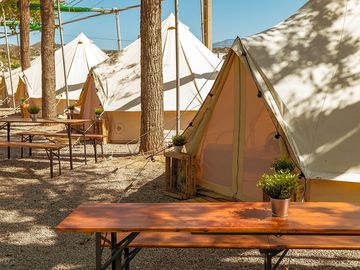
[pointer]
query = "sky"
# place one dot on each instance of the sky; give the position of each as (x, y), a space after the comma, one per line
(231, 18)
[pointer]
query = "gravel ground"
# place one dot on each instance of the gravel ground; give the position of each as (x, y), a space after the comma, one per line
(32, 204)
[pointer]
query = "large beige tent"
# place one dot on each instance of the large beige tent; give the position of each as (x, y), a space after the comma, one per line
(115, 83)
(307, 74)
(81, 54)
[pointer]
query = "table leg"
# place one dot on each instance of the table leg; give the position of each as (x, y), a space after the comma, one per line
(98, 250)
(268, 256)
(70, 145)
(59, 161)
(84, 138)
(8, 138)
(95, 152)
(116, 263)
(22, 148)
(51, 164)
(117, 251)
(30, 149)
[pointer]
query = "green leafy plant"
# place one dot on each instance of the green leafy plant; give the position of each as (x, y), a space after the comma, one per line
(178, 140)
(280, 185)
(98, 111)
(23, 100)
(33, 110)
(283, 164)
(71, 107)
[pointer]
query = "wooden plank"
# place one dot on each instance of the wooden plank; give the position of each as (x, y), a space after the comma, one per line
(188, 240)
(44, 121)
(230, 217)
(53, 134)
(172, 154)
(31, 145)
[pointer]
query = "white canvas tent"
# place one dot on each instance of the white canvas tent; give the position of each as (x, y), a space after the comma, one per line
(307, 74)
(115, 83)
(81, 54)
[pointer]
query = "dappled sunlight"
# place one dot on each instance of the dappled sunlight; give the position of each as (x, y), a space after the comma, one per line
(311, 61)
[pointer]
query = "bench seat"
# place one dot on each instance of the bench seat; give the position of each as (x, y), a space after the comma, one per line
(87, 136)
(52, 149)
(50, 146)
(56, 134)
(187, 240)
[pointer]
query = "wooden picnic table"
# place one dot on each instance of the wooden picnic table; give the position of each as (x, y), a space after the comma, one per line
(67, 122)
(226, 218)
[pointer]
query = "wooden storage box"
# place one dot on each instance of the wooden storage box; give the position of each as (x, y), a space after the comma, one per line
(179, 179)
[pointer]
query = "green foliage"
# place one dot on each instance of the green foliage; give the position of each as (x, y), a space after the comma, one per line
(33, 110)
(98, 111)
(23, 100)
(15, 65)
(283, 164)
(280, 185)
(178, 140)
(12, 11)
(71, 107)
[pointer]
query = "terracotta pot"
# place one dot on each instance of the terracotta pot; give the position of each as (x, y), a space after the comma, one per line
(280, 207)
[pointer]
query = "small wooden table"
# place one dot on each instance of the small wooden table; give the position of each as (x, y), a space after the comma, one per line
(68, 122)
(209, 218)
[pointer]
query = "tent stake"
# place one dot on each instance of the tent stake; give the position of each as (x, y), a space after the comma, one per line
(177, 68)
(63, 53)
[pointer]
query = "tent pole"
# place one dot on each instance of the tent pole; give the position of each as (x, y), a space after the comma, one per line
(177, 68)
(202, 20)
(117, 15)
(8, 58)
(63, 53)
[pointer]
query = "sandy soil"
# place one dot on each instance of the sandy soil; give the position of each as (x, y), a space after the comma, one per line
(32, 204)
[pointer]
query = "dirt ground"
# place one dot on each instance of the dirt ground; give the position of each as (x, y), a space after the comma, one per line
(32, 204)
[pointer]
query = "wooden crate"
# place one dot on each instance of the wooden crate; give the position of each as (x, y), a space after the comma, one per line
(179, 178)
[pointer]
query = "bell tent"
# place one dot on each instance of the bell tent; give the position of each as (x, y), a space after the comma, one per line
(114, 84)
(81, 54)
(291, 90)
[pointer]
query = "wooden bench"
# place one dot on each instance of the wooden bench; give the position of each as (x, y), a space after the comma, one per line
(50, 148)
(268, 245)
(28, 136)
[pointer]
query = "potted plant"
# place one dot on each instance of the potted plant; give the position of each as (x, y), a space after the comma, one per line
(280, 187)
(178, 142)
(71, 108)
(283, 164)
(33, 110)
(98, 112)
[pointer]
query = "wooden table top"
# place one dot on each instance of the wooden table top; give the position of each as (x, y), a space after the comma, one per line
(222, 217)
(43, 120)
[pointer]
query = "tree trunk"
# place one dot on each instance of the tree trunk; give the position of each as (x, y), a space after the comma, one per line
(152, 123)
(24, 33)
(48, 59)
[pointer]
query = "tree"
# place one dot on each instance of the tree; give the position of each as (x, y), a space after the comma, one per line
(48, 59)
(24, 33)
(152, 123)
